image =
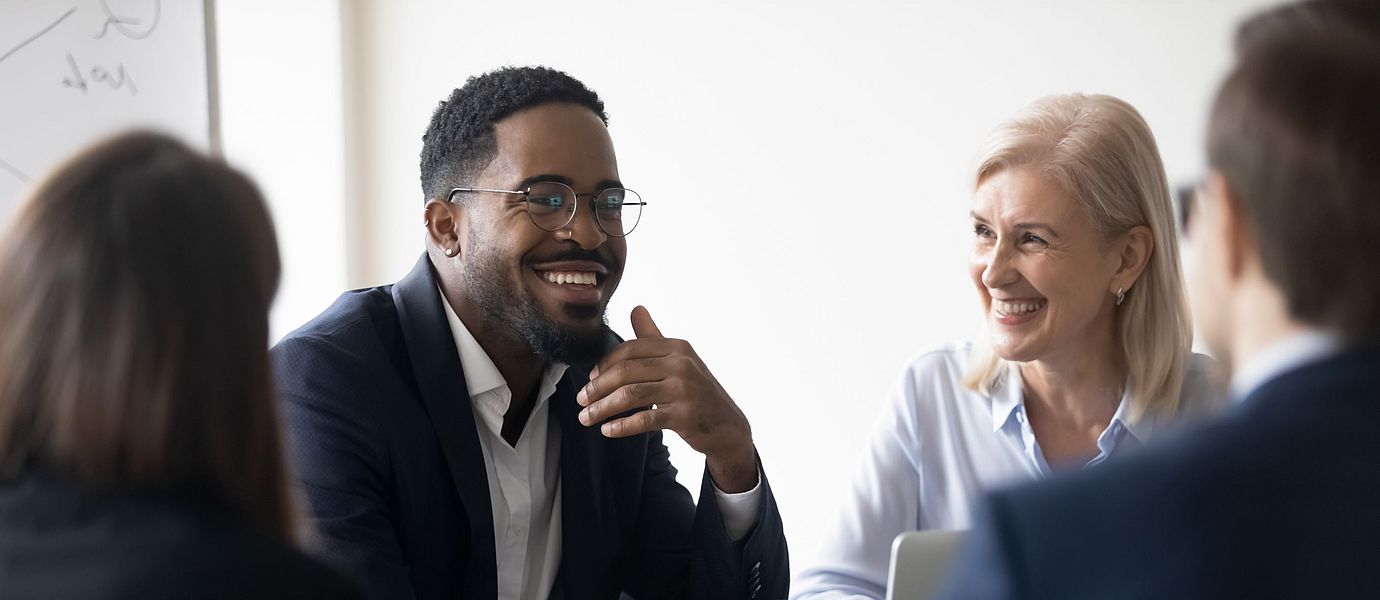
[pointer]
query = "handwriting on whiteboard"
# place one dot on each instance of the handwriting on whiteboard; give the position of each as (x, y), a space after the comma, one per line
(89, 71)
(135, 25)
(116, 80)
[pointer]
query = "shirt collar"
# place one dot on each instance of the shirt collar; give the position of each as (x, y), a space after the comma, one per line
(1007, 401)
(1282, 356)
(481, 374)
(1142, 428)
(1006, 398)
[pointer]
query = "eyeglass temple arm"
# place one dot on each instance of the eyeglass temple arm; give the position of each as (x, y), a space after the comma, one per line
(465, 189)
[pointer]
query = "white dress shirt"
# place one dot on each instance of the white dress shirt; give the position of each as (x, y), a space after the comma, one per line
(935, 450)
(525, 480)
(1280, 357)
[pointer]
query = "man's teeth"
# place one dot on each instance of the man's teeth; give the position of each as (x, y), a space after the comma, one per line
(577, 277)
(1018, 308)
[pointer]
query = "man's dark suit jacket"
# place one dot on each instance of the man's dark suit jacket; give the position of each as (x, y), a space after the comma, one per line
(1280, 499)
(386, 447)
(59, 540)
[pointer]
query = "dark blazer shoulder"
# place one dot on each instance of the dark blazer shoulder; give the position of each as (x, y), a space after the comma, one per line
(354, 316)
(1192, 515)
(79, 542)
(350, 345)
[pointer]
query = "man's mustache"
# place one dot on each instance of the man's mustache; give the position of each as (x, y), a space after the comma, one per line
(576, 254)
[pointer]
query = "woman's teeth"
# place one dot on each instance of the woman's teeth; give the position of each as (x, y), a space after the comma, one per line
(577, 278)
(1018, 308)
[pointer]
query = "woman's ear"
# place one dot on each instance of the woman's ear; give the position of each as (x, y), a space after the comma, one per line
(441, 226)
(1139, 244)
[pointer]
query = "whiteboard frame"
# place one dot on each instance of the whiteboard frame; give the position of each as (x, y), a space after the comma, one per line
(212, 80)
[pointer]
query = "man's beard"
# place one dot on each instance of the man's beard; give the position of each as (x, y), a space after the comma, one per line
(499, 299)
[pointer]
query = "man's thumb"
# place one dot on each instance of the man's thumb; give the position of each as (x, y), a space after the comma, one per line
(643, 325)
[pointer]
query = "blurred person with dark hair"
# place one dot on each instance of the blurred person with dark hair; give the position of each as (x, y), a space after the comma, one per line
(1358, 19)
(1278, 499)
(140, 454)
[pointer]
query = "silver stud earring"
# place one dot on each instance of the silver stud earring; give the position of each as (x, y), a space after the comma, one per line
(1120, 296)
(450, 252)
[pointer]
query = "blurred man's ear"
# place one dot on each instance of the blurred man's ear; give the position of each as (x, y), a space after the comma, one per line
(1224, 221)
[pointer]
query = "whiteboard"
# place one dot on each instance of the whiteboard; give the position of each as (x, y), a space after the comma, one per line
(73, 71)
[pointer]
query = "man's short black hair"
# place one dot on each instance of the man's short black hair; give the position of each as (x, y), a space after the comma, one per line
(459, 142)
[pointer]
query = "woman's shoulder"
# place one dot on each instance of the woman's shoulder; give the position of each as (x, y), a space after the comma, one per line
(1199, 363)
(1199, 373)
(932, 380)
(1198, 395)
(946, 362)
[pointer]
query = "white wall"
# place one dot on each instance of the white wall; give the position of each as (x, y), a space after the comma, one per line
(805, 166)
(282, 121)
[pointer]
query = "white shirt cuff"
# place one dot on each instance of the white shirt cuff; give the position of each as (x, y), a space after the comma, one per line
(739, 511)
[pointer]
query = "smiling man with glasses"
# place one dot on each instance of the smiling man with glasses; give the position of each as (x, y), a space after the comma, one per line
(477, 431)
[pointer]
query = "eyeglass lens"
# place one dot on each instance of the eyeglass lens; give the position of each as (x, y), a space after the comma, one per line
(1185, 196)
(552, 206)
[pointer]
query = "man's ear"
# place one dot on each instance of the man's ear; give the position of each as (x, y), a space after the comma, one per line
(1138, 245)
(1230, 225)
(442, 226)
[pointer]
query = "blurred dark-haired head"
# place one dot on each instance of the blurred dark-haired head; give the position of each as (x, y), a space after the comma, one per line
(1293, 132)
(135, 284)
(1359, 19)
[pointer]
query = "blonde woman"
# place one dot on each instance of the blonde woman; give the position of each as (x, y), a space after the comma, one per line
(1086, 352)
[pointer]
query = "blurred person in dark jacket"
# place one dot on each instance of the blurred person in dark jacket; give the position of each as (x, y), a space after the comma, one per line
(140, 452)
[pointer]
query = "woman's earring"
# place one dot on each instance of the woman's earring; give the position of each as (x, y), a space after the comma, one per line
(1120, 296)
(451, 252)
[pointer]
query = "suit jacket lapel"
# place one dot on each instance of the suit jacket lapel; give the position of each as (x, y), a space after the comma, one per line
(589, 531)
(436, 364)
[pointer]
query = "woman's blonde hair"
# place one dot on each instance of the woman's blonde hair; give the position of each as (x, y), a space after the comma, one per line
(1099, 149)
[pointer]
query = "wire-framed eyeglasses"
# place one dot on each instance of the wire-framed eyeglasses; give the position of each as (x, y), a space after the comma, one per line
(1184, 199)
(551, 205)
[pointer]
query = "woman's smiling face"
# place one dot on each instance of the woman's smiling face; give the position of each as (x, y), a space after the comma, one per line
(1041, 269)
